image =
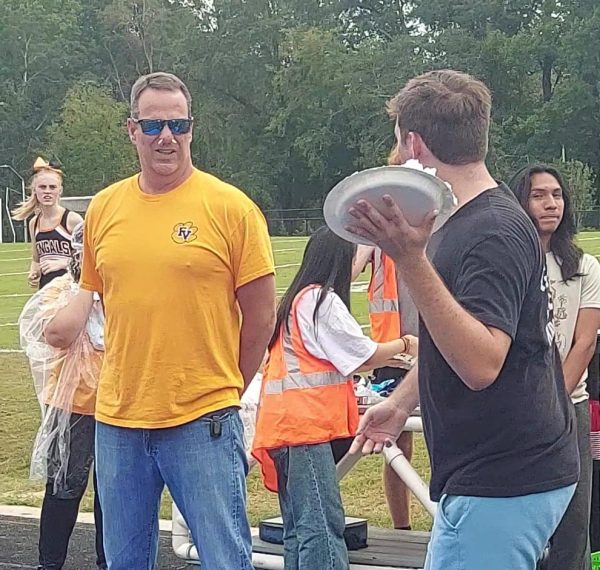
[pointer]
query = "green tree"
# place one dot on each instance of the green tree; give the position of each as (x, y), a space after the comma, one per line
(41, 51)
(579, 177)
(89, 139)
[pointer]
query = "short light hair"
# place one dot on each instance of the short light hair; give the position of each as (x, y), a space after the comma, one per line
(162, 81)
(450, 110)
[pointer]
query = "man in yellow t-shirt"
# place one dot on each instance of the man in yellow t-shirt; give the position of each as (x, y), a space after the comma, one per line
(184, 265)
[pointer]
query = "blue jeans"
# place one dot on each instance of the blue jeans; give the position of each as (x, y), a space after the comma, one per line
(472, 533)
(311, 508)
(205, 473)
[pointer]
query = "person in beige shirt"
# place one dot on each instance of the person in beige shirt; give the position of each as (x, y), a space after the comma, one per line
(574, 280)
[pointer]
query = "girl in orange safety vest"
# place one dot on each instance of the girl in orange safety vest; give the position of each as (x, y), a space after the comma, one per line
(307, 401)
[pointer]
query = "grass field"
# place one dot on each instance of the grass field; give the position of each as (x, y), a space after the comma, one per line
(19, 411)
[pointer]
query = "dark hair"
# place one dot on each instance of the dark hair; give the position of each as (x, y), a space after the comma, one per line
(327, 262)
(562, 242)
(450, 110)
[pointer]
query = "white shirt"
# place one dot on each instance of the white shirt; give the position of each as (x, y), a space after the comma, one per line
(337, 337)
(567, 299)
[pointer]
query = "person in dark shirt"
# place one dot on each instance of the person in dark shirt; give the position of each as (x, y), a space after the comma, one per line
(498, 422)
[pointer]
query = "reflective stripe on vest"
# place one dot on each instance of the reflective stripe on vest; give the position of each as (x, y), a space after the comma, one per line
(295, 381)
(376, 285)
(294, 378)
(384, 308)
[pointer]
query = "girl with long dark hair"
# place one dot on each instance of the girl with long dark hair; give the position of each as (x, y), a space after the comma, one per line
(308, 401)
(574, 279)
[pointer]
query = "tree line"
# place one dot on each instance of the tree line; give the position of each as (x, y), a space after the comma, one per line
(289, 95)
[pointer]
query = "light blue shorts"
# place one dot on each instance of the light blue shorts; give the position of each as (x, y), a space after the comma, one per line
(488, 533)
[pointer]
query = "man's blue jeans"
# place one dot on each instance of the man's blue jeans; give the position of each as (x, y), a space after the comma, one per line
(311, 508)
(205, 471)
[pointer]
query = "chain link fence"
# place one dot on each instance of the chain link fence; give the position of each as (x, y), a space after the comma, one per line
(296, 222)
(305, 222)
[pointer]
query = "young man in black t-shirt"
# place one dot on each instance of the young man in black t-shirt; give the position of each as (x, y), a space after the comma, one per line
(498, 423)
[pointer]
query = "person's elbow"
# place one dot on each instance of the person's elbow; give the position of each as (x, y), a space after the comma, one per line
(483, 375)
(583, 349)
(588, 346)
(480, 367)
(57, 337)
(267, 315)
(374, 361)
(270, 318)
(365, 367)
(479, 382)
(258, 306)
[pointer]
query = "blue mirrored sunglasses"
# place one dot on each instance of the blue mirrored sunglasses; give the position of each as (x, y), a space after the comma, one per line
(155, 126)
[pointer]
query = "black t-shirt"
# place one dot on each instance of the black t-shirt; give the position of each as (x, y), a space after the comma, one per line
(518, 436)
(54, 243)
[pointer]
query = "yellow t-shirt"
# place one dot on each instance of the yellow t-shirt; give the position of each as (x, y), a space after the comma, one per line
(168, 267)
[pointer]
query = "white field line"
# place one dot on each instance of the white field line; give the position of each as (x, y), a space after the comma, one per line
(362, 289)
(16, 259)
(10, 274)
(290, 240)
(16, 295)
(9, 324)
(285, 250)
(35, 513)
(357, 285)
(287, 265)
(14, 250)
(10, 351)
(589, 238)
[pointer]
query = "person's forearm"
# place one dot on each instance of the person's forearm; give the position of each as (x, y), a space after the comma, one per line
(254, 339)
(465, 343)
(362, 257)
(406, 395)
(577, 361)
(385, 351)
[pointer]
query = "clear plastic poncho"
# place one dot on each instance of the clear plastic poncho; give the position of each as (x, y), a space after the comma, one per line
(248, 411)
(65, 380)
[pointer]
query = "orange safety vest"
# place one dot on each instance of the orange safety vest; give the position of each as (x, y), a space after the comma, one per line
(304, 400)
(384, 313)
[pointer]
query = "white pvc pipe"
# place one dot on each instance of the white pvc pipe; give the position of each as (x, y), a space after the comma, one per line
(274, 562)
(267, 561)
(402, 467)
(414, 423)
(346, 464)
(181, 541)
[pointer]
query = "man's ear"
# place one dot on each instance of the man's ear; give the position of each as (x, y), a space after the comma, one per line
(417, 146)
(132, 130)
